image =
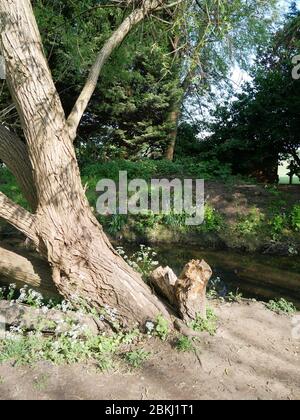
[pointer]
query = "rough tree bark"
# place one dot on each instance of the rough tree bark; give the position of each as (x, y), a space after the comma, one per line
(66, 233)
(191, 289)
(21, 268)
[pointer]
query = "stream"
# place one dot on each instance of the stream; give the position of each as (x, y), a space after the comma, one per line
(256, 276)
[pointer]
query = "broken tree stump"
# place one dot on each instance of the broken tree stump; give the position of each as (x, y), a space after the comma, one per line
(163, 280)
(188, 292)
(191, 289)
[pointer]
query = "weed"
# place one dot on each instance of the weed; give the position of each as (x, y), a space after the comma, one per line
(234, 297)
(142, 261)
(68, 348)
(295, 218)
(40, 383)
(184, 344)
(277, 224)
(137, 357)
(250, 224)
(161, 329)
(213, 221)
(205, 325)
(281, 306)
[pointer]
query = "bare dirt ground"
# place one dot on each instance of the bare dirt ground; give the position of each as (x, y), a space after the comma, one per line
(252, 356)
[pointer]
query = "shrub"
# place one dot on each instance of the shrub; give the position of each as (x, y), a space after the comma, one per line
(137, 357)
(184, 344)
(295, 217)
(281, 306)
(250, 224)
(161, 328)
(205, 325)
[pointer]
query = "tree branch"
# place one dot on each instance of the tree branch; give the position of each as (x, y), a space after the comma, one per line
(18, 217)
(111, 44)
(13, 152)
(21, 267)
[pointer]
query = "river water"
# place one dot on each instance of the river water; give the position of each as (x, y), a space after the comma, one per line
(256, 276)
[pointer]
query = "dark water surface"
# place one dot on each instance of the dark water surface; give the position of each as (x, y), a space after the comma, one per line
(256, 276)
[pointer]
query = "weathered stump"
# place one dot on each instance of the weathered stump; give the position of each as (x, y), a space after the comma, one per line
(188, 292)
(191, 289)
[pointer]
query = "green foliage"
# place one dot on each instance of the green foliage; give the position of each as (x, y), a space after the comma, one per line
(148, 169)
(137, 357)
(143, 260)
(205, 325)
(234, 297)
(9, 187)
(262, 124)
(161, 329)
(277, 225)
(295, 217)
(32, 298)
(281, 306)
(213, 221)
(184, 344)
(68, 348)
(113, 223)
(250, 224)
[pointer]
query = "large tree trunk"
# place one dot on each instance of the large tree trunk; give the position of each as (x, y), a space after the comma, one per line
(85, 266)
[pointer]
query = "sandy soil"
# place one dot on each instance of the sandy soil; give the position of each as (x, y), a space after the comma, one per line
(252, 356)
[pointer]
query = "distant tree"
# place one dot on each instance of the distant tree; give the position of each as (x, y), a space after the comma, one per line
(262, 126)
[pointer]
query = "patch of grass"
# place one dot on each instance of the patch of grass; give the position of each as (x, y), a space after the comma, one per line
(68, 348)
(184, 344)
(137, 357)
(281, 306)
(205, 325)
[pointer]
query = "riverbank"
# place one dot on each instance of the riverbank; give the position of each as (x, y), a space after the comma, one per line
(239, 213)
(256, 362)
(243, 217)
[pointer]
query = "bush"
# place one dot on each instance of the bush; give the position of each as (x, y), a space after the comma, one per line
(213, 221)
(281, 306)
(250, 224)
(295, 217)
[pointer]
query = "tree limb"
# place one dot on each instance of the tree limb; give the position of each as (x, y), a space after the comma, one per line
(17, 216)
(21, 268)
(111, 44)
(13, 152)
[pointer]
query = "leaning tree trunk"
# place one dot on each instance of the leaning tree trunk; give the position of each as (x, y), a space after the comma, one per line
(85, 266)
